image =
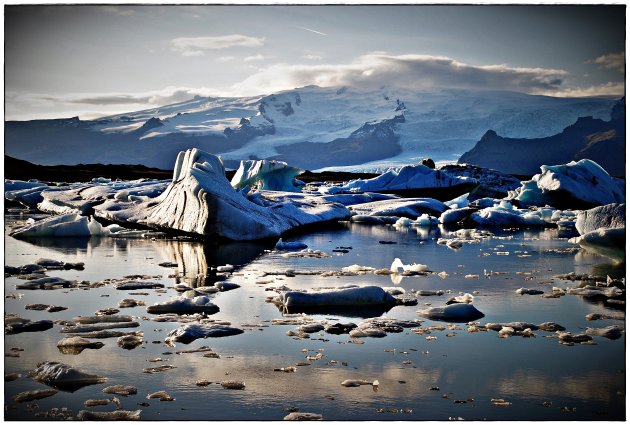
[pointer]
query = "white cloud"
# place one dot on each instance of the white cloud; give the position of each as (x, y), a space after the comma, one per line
(608, 89)
(199, 44)
(225, 58)
(257, 57)
(616, 61)
(410, 71)
(312, 57)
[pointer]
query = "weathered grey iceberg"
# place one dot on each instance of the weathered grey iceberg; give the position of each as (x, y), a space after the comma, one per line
(62, 376)
(611, 216)
(402, 207)
(66, 225)
(192, 331)
(201, 201)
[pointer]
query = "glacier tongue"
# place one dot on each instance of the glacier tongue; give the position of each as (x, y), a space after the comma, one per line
(200, 200)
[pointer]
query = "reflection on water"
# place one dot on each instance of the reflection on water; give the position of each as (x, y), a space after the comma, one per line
(463, 366)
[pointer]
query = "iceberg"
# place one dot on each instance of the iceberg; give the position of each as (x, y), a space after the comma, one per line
(184, 305)
(63, 376)
(66, 225)
(578, 185)
(603, 231)
(453, 313)
(353, 296)
(405, 207)
(201, 201)
(266, 175)
(413, 180)
(192, 331)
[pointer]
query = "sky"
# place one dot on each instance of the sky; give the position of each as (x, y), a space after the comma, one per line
(96, 60)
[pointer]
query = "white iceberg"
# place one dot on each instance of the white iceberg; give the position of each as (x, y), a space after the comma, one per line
(201, 201)
(354, 296)
(405, 207)
(603, 231)
(398, 267)
(67, 225)
(184, 305)
(452, 313)
(266, 175)
(410, 179)
(579, 185)
(192, 331)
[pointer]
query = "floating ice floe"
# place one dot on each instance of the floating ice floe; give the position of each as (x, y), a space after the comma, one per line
(266, 175)
(398, 267)
(34, 395)
(63, 376)
(201, 201)
(116, 415)
(579, 185)
(76, 344)
(610, 332)
(452, 313)
(454, 215)
(66, 225)
(412, 180)
(290, 245)
(192, 331)
(80, 198)
(403, 207)
(28, 194)
(603, 230)
(184, 305)
(303, 416)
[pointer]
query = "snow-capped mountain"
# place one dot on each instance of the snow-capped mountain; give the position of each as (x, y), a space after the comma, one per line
(309, 127)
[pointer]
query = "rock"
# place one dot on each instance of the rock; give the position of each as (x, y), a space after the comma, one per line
(161, 395)
(129, 342)
(233, 385)
(610, 332)
(27, 326)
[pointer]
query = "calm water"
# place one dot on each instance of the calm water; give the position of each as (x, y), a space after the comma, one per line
(589, 381)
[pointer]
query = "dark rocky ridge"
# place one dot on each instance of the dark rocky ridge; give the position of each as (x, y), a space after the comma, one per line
(595, 139)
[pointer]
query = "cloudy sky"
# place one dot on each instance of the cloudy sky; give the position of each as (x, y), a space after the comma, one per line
(63, 61)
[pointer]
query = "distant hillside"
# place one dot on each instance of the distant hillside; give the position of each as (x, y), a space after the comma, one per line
(17, 169)
(596, 139)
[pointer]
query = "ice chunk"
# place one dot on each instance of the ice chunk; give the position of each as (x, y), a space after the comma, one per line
(453, 313)
(453, 215)
(407, 207)
(266, 175)
(290, 245)
(63, 376)
(356, 296)
(579, 185)
(398, 267)
(67, 225)
(408, 178)
(611, 216)
(184, 305)
(192, 331)
(608, 242)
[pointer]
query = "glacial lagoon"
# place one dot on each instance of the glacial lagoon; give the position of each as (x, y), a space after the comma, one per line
(442, 372)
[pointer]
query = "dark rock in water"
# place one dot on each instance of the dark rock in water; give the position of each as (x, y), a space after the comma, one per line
(28, 326)
(428, 162)
(131, 286)
(123, 390)
(492, 183)
(75, 345)
(340, 328)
